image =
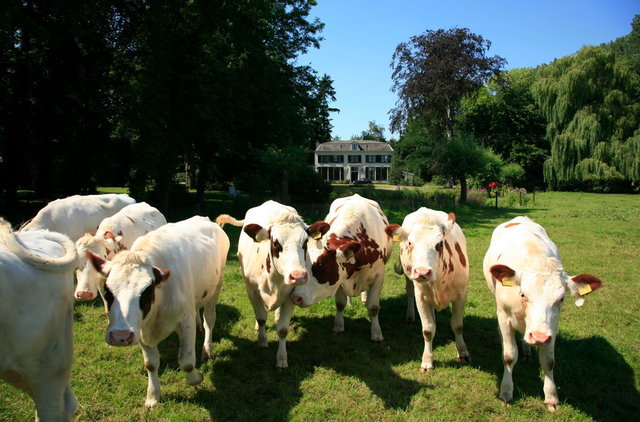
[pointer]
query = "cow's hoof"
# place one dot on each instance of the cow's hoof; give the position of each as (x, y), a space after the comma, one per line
(150, 403)
(282, 366)
(506, 398)
(551, 407)
(338, 332)
(194, 377)
(464, 359)
(426, 369)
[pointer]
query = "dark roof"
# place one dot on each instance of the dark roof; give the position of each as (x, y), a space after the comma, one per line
(363, 145)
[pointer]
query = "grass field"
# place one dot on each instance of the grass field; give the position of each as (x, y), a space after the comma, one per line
(348, 378)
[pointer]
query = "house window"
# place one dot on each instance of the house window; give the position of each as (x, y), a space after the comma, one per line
(354, 147)
(331, 173)
(378, 173)
(355, 158)
(329, 159)
(378, 158)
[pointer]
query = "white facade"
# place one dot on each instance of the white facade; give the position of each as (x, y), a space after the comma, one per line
(340, 161)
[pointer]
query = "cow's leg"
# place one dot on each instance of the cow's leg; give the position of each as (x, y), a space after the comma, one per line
(341, 302)
(411, 300)
(261, 315)
(457, 312)
(547, 362)
(208, 324)
(284, 318)
(49, 397)
(373, 305)
(428, 320)
(509, 356)
(70, 401)
(187, 354)
(151, 357)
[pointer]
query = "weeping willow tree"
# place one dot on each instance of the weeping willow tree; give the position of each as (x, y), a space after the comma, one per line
(591, 103)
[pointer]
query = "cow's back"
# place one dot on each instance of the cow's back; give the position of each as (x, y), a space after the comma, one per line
(132, 221)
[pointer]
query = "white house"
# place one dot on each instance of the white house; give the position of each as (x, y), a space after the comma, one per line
(339, 161)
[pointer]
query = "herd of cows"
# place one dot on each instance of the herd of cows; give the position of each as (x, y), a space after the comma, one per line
(154, 277)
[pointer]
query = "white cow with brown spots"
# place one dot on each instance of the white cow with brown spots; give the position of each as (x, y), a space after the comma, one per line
(272, 251)
(78, 214)
(36, 318)
(158, 286)
(433, 258)
(349, 260)
(114, 234)
(524, 271)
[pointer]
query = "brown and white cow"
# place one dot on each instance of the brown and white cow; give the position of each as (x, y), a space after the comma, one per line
(433, 258)
(349, 260)
(523, 269)
(36, 318)
(158, 286)
(272, 251)
(114, 234)
(78, 214)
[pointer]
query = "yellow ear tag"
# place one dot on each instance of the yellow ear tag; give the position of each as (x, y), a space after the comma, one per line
(396, 238)
(317, 236)
(507, 281)
(584, 289)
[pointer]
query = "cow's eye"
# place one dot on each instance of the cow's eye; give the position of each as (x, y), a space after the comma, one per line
(146, 299)
(439, 246)
(108, 296)
(276, 248)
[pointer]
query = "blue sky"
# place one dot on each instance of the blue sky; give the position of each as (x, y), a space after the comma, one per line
(361, 35)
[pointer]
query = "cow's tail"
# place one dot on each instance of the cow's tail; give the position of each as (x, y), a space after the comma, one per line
(66, 262)
(223, 219)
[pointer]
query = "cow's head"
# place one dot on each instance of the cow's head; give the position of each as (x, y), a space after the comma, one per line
(89, 280)
(422, 243)
(130, 289)
(287, 244)
(542, 292)
(113, 242)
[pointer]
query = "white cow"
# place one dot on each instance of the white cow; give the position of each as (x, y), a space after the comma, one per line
(36, 318)
(114, 234)
(272, 251)
(433, 258)
(349, 259)
(524, 271)
(77, 214)
(158, 286)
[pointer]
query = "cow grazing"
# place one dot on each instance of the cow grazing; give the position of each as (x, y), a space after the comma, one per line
(523, 269)
(349, 260)
(433, 258)
(272, 251)
(77, 214)
(114, 234)
(158, 286)
(36, 318)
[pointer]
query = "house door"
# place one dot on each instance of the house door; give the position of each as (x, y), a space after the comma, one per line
(354, 174)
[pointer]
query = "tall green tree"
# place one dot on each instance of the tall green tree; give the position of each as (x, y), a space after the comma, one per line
(433, 72)
(374, 132)
(590, 100)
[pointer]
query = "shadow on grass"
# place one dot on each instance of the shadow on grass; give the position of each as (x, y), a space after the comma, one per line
(590, 374)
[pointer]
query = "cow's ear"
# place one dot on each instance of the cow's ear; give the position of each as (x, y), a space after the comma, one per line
(396, 232)
(160, 275)
(448, 225)
(256, 232)
(583, 284)
(347, 252)
(97, 262)
(504, 274)
(318, 229)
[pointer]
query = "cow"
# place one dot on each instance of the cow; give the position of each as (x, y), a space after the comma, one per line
(272, 251)
(158, 287)
(115, 233)
(36, 318)
(524, 271)
(349, 260)
(433, 258)
(78, 214)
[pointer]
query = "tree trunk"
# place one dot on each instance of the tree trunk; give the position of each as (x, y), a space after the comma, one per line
(284, 187)
(463, 190)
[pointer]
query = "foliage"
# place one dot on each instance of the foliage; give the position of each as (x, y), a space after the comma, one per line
(590, 102)
(375, 132)
(503, 116)
(433, 71)
(512, 175)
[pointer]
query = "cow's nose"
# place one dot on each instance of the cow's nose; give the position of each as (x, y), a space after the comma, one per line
(539, 339)
(421, 273)
(297, 300)
(85, 295)
(120, 337)
(297, 278)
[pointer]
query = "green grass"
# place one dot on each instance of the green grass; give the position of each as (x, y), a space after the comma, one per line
(348, 378)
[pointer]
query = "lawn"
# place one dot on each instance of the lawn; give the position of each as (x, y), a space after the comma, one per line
(348, 378)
